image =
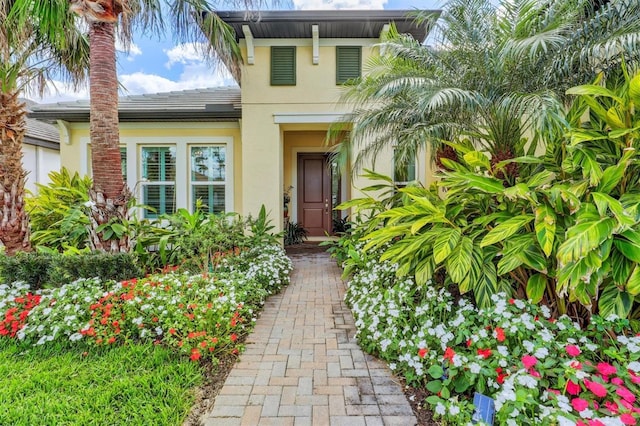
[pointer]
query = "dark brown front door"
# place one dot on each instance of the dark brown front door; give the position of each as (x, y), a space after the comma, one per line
(314, 194)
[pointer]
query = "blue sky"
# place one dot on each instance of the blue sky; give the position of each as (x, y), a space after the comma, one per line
(154, 65)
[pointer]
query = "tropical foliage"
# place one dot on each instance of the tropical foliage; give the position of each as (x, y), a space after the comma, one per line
(492, 72)
(565, 232)
(30, 51)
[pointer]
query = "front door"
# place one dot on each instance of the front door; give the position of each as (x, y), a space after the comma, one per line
(314, 194)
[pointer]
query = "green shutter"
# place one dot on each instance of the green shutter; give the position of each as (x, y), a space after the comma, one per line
(283, 66)
(348, 63)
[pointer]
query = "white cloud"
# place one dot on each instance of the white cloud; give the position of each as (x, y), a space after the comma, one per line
(195, 76)
(339, 4)
(185, 53)
(132, 52)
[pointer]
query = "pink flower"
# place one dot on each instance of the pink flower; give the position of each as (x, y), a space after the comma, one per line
(627, 419)
(534, 373)
(612, 406)
(529, 361)
(634, 378)
(596, 388)
(572, 350)
(595, 422)
(573, 388)
(579, 404)
(626, 394)
(606, 369)
(617, 381)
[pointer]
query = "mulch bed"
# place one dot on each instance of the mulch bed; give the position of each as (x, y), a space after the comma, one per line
(305, 248)
(420, 408)
(214, 378)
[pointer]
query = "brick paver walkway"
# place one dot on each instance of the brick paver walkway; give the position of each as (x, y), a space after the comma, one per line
(302, 365)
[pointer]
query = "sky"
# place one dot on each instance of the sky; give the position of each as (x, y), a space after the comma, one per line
(154, 65)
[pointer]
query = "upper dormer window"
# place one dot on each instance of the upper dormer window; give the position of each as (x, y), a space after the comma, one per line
(283, 65)
(348, 63)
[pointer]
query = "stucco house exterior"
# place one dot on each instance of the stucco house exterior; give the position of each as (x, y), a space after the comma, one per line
(238, 148)
(40, 152)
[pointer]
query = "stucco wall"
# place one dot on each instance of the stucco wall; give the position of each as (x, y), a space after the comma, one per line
(38, 162)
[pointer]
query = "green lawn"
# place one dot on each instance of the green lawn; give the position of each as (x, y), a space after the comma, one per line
(132, 385)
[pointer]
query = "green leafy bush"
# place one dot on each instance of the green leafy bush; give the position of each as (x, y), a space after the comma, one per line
(295, 234)
(56, 212)
(565, 233)
(40, 270)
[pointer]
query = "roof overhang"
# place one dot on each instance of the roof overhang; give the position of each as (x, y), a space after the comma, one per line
(210, 113)
(330, 23)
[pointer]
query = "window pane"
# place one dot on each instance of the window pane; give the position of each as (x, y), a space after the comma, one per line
(159, 197)
(404, 171)
(211, 196)
(208, 163)
(159, 163)
(123, 163)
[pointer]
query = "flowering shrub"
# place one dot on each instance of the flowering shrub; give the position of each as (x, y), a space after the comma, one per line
(538, 370)
(199, 315)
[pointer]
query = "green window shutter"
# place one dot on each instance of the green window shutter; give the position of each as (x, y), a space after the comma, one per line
(348, 63)
(283, 66)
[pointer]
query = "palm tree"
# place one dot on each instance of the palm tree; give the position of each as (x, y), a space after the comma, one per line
(492, 73)
(30, 50)
(191, 21)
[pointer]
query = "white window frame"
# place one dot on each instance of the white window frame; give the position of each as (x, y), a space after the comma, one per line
(144, 183)
(228, 168)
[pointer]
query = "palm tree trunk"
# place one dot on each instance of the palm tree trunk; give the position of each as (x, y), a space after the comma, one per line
(14, 221)
(109, 195)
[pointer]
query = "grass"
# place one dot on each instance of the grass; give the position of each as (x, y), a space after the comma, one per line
(132, 385)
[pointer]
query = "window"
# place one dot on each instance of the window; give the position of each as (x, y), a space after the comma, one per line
(208, 178)
(123, 161)
(283, 66)
(404, 169)
(158, 179)
(348, 63)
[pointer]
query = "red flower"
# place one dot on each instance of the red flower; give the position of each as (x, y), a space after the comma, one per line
(422, 352)
(572, 350)
(195, 354)
(449, 353)
(172, 331)
(627, 419)
(596, 388)
(606, 369)
(529, 361)
(579, 404)
(234, 337)
(499, 333)
(484, 353)
(573, 388)
(501, 375)
(111, 340)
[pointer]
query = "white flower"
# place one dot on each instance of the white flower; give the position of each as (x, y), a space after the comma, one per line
(541, 353)
(634, 366)
(454, 410)
(474, 368)
(528, 345)
(440, 409)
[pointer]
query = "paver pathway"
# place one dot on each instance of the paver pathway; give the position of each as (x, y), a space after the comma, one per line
(302, 365)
